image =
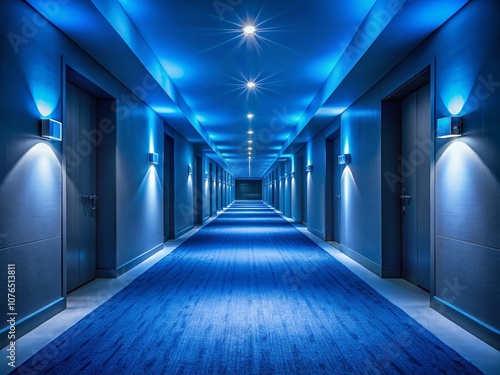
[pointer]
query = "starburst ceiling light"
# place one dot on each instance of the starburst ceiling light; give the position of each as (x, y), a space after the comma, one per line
(250, 116)
(249, 30)
(250, 84)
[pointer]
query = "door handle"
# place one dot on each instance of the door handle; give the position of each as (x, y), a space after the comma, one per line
(405, 200)
(92, 200)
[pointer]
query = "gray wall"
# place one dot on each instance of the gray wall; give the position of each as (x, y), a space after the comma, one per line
(32, 178)
(465, 178)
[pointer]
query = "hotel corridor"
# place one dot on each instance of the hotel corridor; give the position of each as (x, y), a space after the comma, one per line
(250, 293)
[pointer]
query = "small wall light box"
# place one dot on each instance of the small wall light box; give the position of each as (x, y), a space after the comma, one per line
(190, 169)
(344, 159)
(51, 129)
(309, 168)
(153, 158)
(448, 127)
(292, 175)
(206, 176)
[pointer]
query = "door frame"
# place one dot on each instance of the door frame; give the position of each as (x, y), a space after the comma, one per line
(390, 150)
(105, 185)
(330, 200)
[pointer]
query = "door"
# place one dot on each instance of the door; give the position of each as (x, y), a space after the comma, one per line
(415, 192)
(82, 201)
(211, 188)
(168, 188)
(337, 170)
(304, 194)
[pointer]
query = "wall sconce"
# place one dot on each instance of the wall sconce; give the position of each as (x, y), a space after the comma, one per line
(51, 129)
(286, 176)
(309, 168)
(448, 127)
(274, 182)
(206, 176)
(344, 159)
(190, 169)
(279, 179)
(292, 175)
(153, 158)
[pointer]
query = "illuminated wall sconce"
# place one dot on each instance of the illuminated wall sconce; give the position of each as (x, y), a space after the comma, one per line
(153, 158)
(309, 168)
(206, 176)
(286, 176)
(448, 127)
(279, 179)
(190, 169)
(344, 159)
(292, 175)
(51, 129)
(274, 182)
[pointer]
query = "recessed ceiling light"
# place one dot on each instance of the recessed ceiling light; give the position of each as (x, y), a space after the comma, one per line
(250, 131)
(249, 30)
(249, 157)
(250, 84)
(250, 148)
(250, 116)
(250, 141)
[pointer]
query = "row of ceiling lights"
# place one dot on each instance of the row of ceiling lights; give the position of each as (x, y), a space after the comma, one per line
(250, 30)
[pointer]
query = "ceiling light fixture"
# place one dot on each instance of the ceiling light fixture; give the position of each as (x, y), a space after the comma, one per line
(250, 84)
(250, 116)
(250, 148)
(250, 131)
(250, 141)
(249, 30)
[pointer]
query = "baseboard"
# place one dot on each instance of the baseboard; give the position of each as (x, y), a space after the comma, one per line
(364, 261)
(185, 230)
(317, 232)
(137, 260)
(30, 322)
(392, 272)
(481, 330)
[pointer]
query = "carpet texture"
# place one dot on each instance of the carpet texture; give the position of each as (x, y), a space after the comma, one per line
(247, 294)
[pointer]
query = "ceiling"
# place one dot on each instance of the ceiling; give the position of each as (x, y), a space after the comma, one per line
(309, 60)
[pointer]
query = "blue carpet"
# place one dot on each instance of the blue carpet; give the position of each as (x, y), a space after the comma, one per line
(247, 294)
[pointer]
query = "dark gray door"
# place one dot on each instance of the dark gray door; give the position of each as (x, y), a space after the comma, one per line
(337, 170)
(168, 188)
(81, 196)
(305, 180)
(415, 193)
